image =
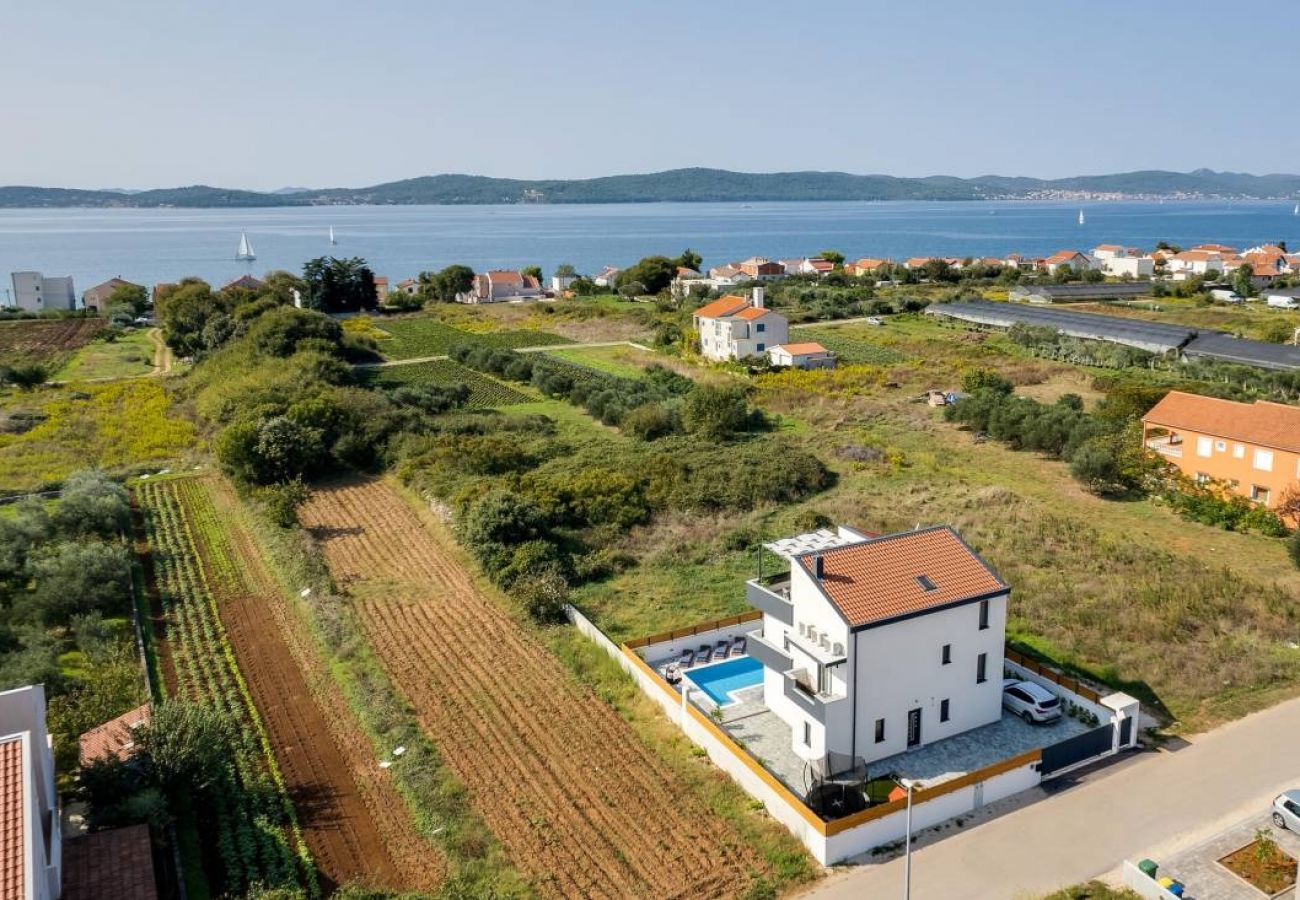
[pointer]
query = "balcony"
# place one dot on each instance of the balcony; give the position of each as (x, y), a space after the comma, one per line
(1170, 447)
(767, 653)
(772, 596)
(802, 691)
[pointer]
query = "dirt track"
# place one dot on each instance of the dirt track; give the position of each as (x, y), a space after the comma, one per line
(582, 806)
(354, 822)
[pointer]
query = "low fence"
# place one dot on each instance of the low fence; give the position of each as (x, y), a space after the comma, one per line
(752, 615)
(1073, 685)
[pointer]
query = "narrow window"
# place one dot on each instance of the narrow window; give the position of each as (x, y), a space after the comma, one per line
(943, 710)
(947, 654)
(807, 733)
(880, 731)
(981, 668)
(984, 615)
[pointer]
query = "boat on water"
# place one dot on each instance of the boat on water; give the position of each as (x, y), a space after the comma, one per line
(245, 251)
(1080, 217)
(1296, 211)
(332, 241)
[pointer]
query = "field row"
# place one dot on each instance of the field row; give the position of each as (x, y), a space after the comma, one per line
(849, 346)
(45, 342)
(483, 391)
(418, 337)
(583, 808)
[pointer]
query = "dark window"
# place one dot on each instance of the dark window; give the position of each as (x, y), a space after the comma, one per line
(880, 731)
(984, 614)
(947, 654)
(760, 327)
(981, 668)
(943, 710)
(761, 347)
(926, 583)
(807, 734)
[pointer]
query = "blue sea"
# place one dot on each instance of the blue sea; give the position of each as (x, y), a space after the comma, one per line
(153, 245)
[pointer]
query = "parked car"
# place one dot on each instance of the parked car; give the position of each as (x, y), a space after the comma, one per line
(1030, 701)
(1286, 810)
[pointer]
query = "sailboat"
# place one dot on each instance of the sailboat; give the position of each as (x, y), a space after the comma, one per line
(245, 251)
(1080, 217)
(332, 241)
(1296, 211)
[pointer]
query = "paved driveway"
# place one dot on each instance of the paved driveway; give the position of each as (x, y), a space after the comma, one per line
(1198, 869)
(1152, 804)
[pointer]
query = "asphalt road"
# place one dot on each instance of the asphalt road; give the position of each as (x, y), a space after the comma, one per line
(1147, 805)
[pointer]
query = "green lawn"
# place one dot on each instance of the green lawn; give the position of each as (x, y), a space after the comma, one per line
(415, 337)
(625, 361)
(130, 354)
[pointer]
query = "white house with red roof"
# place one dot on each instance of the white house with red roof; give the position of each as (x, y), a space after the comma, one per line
(803, 355)
(735, 327)
(499, 285)
(31, 850)
(873, 645)
(1078, 262)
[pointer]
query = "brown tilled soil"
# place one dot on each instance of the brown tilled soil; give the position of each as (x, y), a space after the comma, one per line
(582, 806)
(355, 823)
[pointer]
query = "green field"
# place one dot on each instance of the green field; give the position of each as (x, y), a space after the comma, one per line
(851, 344)
(624, 361)
(127, 355)
(419, 337)
(483, 391)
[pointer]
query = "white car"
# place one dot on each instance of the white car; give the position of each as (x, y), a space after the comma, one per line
(1286, 810)
(1030, 701)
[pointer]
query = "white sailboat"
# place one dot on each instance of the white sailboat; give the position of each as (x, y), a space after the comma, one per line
(1080, 217)
(1296, 211)
(332, 241)
(245, 251)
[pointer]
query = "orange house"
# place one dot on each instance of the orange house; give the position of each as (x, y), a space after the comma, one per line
(1253, 447)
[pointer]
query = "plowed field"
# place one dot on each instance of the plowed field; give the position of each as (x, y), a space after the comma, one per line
(353, 820)
(581, 805)
(47, 342)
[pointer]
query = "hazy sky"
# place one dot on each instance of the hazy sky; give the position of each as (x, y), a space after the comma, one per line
(319, 93)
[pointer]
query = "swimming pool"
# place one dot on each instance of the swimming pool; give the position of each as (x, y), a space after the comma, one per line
(721, 679)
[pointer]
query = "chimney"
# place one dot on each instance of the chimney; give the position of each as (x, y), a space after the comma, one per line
(819, 567)
(758, 298)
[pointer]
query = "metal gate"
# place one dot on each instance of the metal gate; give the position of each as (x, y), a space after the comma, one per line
(1077, 749)
(1126, 731)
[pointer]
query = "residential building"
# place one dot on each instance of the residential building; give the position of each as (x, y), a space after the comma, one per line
(606, 277)
(115, 739)
(243, 282)
(815, 265)
(791, 266)
(1132, 266)
(381, 288)
(688, 281)
(1109, 251)
(408, 286)
(916, 262)
(498, 285)
(561, 283)
(728, 274)
(738, 328)
(1077, 261)
(1194, 262)
(96, 298)
(31, 848)
(36, 293)
(759, 268)
(1252, 448)
(867, 266)
(874, 645)
(806, 355)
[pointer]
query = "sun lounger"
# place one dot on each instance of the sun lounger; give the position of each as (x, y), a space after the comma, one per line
(720, 649)
(738, 646)
(704, 654)
(687, 659)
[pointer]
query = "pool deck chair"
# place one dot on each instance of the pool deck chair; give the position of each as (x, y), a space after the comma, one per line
(720, 649)
(704, 654)
(687, 659)
(738, 646)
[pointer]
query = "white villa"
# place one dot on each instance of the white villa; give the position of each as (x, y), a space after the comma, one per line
(498, 285)
(32, 849)
(874, 645)
(736, 328)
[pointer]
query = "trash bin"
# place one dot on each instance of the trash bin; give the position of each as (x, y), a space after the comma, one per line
(1176, 888)
(1148, 868)
(1166, 882)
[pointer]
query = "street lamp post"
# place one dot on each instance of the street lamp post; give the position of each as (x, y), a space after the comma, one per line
(909, 784)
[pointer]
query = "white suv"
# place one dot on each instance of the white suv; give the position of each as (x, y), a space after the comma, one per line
(1029, 701)
(1286, 811)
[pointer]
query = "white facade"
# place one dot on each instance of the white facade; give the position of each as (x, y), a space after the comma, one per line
(884, 686)
(560, 283)
(607, 277)
(744, 330)
(36, 293)
(801, 356)
(1133, 266)
(27, 750)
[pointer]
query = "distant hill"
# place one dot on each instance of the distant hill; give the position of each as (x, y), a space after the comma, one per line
(689, 185)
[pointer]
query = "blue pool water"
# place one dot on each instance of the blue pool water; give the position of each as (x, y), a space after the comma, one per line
(720, 679)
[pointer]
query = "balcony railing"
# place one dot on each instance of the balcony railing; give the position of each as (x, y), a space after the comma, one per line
(1166, 447)
(770, 655)
(772, 596)
(800, 689)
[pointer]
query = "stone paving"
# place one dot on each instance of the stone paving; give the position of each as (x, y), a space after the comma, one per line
(1204, 879)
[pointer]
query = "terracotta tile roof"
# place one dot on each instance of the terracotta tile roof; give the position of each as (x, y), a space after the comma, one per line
(12, 781)
(246, 281)
(916, 262)
(504, 276)
(752, 312)
(1215, 248)
(115, 738)
(1061, 256)
(117, 864)
(800, 349)
(1110, 247)
(684, 272)
(821, 265)
(723, 306)
(879, 580)
(1262, 423)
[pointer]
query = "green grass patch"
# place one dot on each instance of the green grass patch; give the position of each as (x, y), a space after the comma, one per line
(851, 344)
(126, 355)
(419, 337)
(624, 361)
(484, 391)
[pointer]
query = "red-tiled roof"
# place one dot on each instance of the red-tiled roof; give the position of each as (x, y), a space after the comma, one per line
(1262, 423)
(752, 312)
(1061, 256)
(723, 306)
(821, 265)
(12, 824)
(504, 276)
(879, 580)
(117, 864)
(1110, 247)
(800, 349)
(115, 738)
